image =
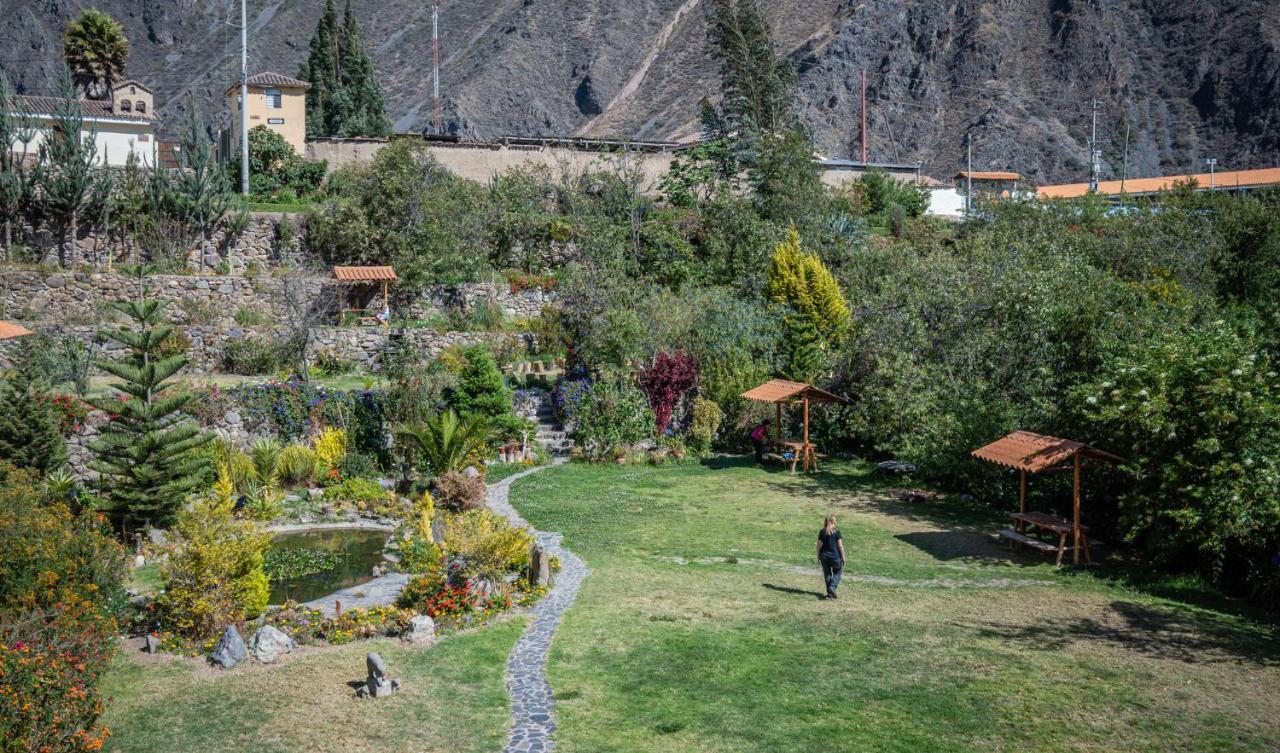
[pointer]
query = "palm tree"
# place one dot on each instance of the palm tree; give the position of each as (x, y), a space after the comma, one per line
(446, 442)
(95, 49)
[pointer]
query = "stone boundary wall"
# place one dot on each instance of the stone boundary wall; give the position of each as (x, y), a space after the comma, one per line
(465, 297)
(204, 353)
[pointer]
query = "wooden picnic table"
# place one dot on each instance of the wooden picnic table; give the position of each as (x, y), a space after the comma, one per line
(1045, 522)
(804, 453)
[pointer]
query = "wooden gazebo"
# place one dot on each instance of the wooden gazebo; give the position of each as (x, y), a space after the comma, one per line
(1027, 452)
(349, 276)
(780, 392)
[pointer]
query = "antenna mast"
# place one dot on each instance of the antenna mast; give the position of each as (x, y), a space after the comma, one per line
(864, 115)
(435, 67)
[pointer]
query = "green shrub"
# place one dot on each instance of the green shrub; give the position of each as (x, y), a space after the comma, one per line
(249, 317)
(706, 422)
(357, 464)
(299, 464)
(355, 490)
(489, 546)
(614, 415)
(215, 576)
(250, 356)
(482, 392)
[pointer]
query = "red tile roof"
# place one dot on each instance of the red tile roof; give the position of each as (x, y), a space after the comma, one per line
(1033, 453)
(780, 390)
(269, 78)
(9, 330)
(364, 274)
(89, 108)
(1223, 180)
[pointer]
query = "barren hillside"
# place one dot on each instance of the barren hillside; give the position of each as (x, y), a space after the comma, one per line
(1187, 80)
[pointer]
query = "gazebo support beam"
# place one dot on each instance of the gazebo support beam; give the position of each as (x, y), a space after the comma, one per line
(1075, 508)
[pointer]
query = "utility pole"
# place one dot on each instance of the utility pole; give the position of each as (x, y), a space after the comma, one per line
(864, 116)
(435, 67)
(968, 176)
(244, 97)
(1124, 169)
(1213, 163)
(1095, 154)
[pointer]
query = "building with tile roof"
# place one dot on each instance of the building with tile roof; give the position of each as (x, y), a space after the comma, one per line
(1238, 181)
(122, 125)
(276, 101)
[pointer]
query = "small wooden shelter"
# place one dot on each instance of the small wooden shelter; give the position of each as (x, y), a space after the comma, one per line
(780, 392)
(8, 331)
(355, 276)
(1027, 452)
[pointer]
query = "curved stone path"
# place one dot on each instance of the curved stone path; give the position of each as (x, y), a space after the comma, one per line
(532, 705)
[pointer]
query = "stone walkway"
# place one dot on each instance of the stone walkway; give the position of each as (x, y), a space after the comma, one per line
(378, 592)
(532, 705)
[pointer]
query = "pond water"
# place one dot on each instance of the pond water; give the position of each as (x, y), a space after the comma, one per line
(356, 552)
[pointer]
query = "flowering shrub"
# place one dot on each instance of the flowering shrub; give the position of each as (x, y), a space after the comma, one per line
(666, 382)
(60, 592)
(567, 395)
(71, 413)
(310, 625)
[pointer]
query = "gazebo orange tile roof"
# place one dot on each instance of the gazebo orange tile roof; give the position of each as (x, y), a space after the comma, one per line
(1035, 453)
(781, 390)
(364, 274)
(9, 330)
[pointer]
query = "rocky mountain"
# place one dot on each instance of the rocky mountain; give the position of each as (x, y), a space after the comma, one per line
(1184, 80)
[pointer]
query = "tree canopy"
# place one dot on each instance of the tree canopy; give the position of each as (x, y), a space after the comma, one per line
(95, 48)
(344, 99)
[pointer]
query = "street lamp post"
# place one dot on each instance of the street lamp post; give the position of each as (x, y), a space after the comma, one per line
(1212, 162)
(244, 98)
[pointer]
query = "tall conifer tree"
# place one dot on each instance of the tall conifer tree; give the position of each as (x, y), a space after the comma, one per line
(30, 434)
(345, 98)
(145, 453)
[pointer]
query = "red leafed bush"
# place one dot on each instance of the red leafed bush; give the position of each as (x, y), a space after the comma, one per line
(666, 382)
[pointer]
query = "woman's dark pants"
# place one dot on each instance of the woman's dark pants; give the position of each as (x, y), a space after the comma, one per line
(759, 450)
(831, 573)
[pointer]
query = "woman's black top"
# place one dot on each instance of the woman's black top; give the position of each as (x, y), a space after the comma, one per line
(830, 548)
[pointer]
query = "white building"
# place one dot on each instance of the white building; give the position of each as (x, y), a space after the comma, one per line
(125, 124)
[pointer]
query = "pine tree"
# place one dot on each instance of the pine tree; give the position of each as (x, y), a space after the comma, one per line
(201, 192)
(804, 358)
(67, 171)
(756, 84)
(344, 98)
(18, 131)
(145, 453)
(30, 431)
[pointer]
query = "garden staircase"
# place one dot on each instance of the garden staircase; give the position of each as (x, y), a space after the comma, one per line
(550, 435)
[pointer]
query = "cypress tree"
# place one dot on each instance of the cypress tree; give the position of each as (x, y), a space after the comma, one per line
(30, 431)
(344, 98)
(145, 453)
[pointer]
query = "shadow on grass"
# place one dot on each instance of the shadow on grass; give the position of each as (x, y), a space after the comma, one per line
(1156, 631)
(794, 591)
(968, 545)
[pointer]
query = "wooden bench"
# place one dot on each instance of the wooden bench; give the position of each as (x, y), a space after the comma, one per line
(1021, 538)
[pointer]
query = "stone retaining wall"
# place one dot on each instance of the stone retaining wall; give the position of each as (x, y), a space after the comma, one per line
(80, 297)
(367, 346)
(265, 242)
(204, 352)
(466, 297)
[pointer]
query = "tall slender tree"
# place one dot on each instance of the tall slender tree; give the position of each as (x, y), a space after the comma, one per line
(146, 452)
(345, 98)
(201, 193)
(17, 132)
(68, 168)
(95, 48)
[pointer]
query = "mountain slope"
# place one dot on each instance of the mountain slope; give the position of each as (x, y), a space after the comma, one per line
(1187, 80)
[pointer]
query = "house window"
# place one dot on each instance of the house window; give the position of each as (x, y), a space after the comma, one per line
(142, 106)
(273, 99)
(124, 106)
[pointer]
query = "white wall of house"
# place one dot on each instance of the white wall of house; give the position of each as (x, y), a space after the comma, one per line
(115, 139)
(946, 202)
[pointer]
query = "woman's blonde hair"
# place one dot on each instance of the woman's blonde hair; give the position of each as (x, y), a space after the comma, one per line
(829, 524)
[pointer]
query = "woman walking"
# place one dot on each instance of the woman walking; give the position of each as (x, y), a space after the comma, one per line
(831, 554)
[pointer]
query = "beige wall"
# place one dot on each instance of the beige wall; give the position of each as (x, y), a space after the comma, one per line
(482, 162)
(837, 177)
(292, 111)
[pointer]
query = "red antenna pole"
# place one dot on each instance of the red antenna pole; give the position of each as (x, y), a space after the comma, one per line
(864, 114)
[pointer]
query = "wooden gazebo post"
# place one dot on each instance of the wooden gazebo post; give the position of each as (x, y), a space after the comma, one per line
(777, 423)
(1075, 508)
(804, 447)
(386, 304)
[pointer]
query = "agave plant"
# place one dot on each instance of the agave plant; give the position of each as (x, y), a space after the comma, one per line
(446, 442)
(265, 454)
(59, 484)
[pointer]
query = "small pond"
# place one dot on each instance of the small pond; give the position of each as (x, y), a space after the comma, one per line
(318, 563)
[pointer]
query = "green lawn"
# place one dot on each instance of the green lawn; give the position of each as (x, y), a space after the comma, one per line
(453, 700)
(700, 629)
